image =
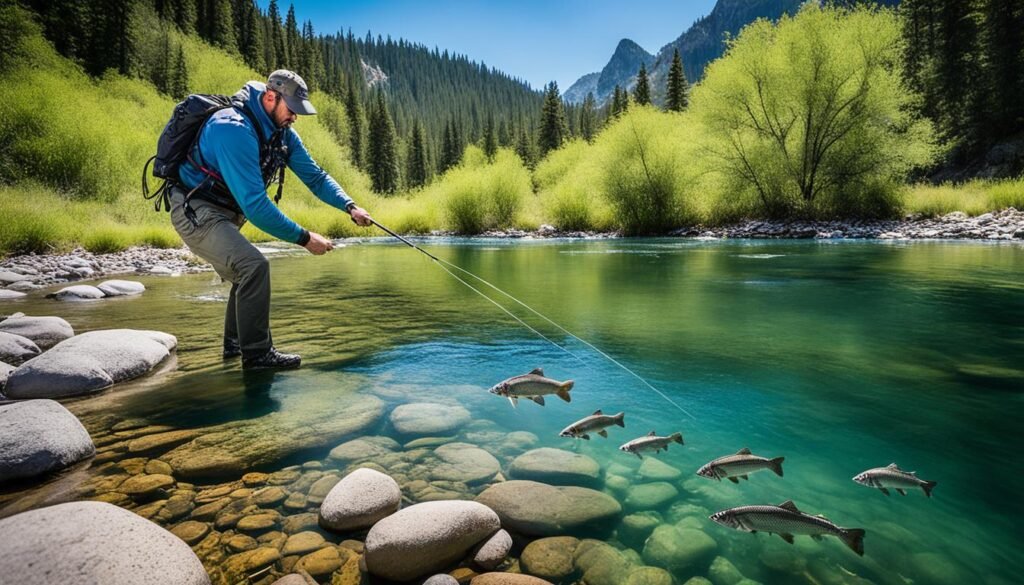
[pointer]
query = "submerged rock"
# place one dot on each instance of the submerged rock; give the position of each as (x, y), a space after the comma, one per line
(359, 500)
(557, 467)
(507, 579)
(90, 362)
(466, 463)
(94, 542)
(427, 537)
(78, 292)
(428, 419)
(8, 294)
(650, 496)
(635, 528)
(45, 332)
(363, 448)
(441, 579)
(120, 288)
(493, 551)
(15, 349)
(654, 470)
(315, 419)
(5, 371)
(679, 550)
(537, 509)
(37, 436)
(550, 558)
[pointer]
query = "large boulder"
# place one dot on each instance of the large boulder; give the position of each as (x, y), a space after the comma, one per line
(653, 470)
(363, 448)
(537, 509)
(359, 500)
(650, 496)
(15, 349)
(7, 294)
(37, 436)
(7, 277)
(120, 288)
(90, 362)
(94, 542)
(45, 332)
(679, 549)
(5, 371)
(464, 462)
(493, 551)
(550, 558)
(78, 292)
(423, 419)
(425, 538)
(557, 467)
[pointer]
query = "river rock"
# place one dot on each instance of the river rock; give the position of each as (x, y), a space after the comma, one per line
(537, 509)
(427, 537)
(550, 558)
(78, 292)
(648, 576)
(679, 549)
(145, 484)
(310, 419)
(45, 332)
(94, 542)
(556, 467)
(635, 528)
(90, 362)
(5, 372)
(723, 572)
(650, 496)
(441, 579)
(7, 294)
(507, 579)
(7, 277)
(302, 543)
(427, 418)
(493, 551)
(191, 531)
(120, 288)
(464, 462)
(359, 500)
(37, 436)
(363, 448)
(653, 470)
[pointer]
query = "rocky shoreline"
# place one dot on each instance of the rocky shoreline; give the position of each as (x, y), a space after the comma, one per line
(25, 273)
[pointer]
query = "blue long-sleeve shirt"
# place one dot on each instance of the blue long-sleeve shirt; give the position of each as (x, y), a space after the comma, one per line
(228, 146)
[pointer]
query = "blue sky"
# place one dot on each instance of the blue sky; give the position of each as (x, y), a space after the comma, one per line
(535, 40)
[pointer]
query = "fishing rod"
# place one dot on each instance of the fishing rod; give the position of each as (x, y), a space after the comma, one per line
(443, 264)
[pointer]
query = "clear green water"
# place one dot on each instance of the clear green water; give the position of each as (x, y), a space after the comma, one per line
(840, 356)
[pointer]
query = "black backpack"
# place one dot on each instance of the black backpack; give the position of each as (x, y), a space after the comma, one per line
(179, 138)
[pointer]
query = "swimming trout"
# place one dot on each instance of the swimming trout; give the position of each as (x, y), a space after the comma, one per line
(596, 422)
(893, 477)
(786, 520)
(739, 465)
(533, 386)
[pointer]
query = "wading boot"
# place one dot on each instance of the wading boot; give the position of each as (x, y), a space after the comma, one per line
(232, 349)
(273, 359)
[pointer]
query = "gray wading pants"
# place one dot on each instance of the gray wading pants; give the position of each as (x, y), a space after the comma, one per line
(218, 241)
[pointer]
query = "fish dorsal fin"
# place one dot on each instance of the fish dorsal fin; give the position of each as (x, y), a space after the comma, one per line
(893, 466)
(596, 412)
(822, 516)
(651, 434)
(743, 451)
(789, 505)
(537, 371)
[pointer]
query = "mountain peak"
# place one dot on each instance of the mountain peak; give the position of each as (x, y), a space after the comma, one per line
(623, 66)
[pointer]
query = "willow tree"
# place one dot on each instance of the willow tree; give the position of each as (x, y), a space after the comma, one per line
(811, 115)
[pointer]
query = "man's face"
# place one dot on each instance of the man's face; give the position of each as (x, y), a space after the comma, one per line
(278, 111)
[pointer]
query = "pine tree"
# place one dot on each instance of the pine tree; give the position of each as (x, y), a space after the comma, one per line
(504, 136)
(417, 158)
(524, 148)
(382, 162)
(354, 110)
(292, 40)
(222, 25)
(553, 128)
(179, 77)
(113, 39)
(490, 139)
(162, 72)
(276, 39)
(252, 44)
(588, 118)
(676, 89)
(957, 67)
(185, 15)
(1004, 66)
(642, 91)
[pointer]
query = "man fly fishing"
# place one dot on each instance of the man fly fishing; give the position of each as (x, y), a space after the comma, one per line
(239, 151)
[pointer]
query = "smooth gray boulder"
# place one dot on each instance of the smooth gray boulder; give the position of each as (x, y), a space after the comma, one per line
(121, 288)
(363, 448)
(557, 467)
(649, 496)
(493, 551)
(7, 277)
(15, 349)
(428, 537)
(90, 362)
(442, 579)
(537, 509)
(94, 542)
(7, 294)
(464, 462)
(37, 436)
(679, 549)
(428, 419)
(5, 371)
(45, 332)
(359, 500)
(78, 292)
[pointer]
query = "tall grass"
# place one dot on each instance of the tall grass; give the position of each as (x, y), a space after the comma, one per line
(973, 198)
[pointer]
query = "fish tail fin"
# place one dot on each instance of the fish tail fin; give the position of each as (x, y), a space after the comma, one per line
(776, 465)
(854, 538)
(620, 419)
(928, 487)
(677, 437)
(563, 390)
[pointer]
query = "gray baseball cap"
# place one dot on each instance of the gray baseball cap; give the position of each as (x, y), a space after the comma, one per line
(293, 88)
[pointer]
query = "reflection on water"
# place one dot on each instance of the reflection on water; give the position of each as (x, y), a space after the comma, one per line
(839, 356)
